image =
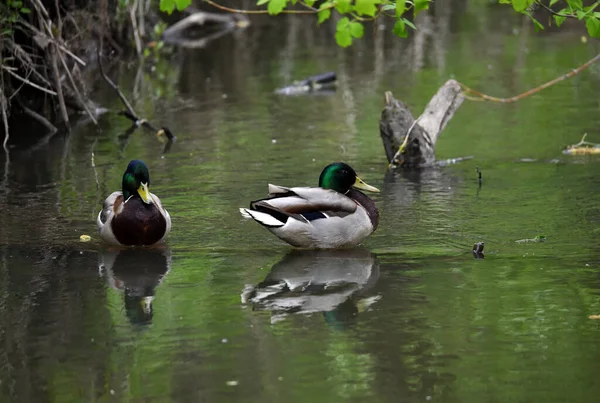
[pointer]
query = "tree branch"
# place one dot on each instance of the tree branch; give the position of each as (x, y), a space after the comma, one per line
(26, 81)
(233, 10)
(481, 97)
(551, 11)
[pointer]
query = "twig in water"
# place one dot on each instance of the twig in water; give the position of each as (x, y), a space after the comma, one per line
(116, 88)
(94, 165)
(532, 91)
(479, 178)
(130, 113)
(583, 147)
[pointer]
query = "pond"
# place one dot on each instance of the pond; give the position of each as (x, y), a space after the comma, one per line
(408, 316)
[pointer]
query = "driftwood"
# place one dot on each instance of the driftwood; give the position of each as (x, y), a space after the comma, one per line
(326, 82)
(179, 33)
(409, 142)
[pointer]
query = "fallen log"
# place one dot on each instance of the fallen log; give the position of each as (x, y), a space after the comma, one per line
(410, 142)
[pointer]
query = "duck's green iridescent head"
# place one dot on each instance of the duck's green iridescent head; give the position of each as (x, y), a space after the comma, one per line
(136, 181)
(341, 177)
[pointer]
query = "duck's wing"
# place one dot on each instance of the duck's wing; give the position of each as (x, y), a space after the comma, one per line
(110, 206)
(300, 203)
(299, 200)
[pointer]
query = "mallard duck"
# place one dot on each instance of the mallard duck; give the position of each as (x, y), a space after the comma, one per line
(332, 215)
(134, 216)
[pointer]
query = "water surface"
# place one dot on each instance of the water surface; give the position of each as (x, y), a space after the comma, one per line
(227, 312)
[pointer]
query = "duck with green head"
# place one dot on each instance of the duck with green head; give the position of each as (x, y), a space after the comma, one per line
(334, 215)
(134, 216)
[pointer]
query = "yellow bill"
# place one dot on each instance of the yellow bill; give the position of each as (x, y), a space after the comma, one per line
(362, 185)
(144, 193)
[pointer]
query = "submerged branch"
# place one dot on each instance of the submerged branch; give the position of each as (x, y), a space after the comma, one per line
(130, 112)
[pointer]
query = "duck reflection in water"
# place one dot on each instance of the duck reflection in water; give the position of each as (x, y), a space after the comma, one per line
(136, 272)
(334, 282)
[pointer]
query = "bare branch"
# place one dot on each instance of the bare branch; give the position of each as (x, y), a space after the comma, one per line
(551, 11)
(81, 101)
(51, 128)
(115, 87)
(136, 34)
(532, 91)
(34, 85)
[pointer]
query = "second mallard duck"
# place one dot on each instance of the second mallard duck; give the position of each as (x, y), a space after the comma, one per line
(333, 215)
(134, 216)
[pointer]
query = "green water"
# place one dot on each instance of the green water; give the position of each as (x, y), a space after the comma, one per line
(409, 316)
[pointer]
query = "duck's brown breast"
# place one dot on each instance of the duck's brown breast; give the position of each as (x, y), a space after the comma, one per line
(139, 223)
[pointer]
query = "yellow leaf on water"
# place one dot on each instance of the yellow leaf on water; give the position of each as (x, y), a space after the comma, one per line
(85, 238)
(594, 316)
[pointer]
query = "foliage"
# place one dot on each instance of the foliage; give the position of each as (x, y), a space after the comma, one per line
(574, 9)
(356, 12)
(168, 6)
(9, 14)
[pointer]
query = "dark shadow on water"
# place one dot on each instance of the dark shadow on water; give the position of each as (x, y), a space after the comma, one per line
(137, 273)
(334, 282)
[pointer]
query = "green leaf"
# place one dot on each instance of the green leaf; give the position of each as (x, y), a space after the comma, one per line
(25, 10)
(261, 2)
(276, 6)
(388, 7)
(400, 7)
(182, 4)
(575, 4)
(580, 15)
(400, 29)
(553, 2)
(593, 27)
(323, 15)
(167, 6)
(342, 33)
(410, 24)
(343, 38)
(342, 6)
(356, 29)
(538, 26)
(310, 3)
(521, 5)
(367, 7)
(420, 5)
(558, 19)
